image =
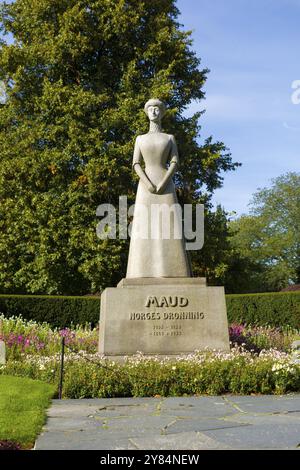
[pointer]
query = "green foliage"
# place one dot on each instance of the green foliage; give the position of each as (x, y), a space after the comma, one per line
(273, 309)
(29, 337)
(215, 375)
(57, 311)
(243, 370)
(214, 259)
(269, 337)
(23, 404)
(266, 244)
(78, 75)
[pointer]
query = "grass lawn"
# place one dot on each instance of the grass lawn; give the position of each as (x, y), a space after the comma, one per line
(23, 404)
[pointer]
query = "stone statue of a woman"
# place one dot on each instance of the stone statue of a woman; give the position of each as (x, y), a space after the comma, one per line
(156, 255)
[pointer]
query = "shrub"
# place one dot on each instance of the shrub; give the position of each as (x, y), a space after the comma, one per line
(274, 309)
(58, 311)
(237, 372)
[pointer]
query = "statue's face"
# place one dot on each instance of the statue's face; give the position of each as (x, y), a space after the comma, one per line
(154, 113)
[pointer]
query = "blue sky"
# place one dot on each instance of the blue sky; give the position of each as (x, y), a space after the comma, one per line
(252, 49)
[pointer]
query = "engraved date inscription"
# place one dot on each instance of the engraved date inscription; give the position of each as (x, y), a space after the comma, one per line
(167, 330)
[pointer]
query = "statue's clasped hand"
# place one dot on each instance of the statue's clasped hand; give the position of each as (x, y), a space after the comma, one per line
(151, 188)
(159, 189)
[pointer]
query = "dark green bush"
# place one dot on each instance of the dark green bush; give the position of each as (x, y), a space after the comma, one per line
(215, 376)
(58, 311)
(274, 309)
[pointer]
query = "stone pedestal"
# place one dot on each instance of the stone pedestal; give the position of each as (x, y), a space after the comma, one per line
(162, 316)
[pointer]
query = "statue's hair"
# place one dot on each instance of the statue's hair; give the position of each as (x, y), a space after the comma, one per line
(155, 102)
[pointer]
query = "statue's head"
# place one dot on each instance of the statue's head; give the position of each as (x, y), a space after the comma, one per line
(155, 109)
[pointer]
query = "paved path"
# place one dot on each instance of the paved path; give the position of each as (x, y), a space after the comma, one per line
(194, 423)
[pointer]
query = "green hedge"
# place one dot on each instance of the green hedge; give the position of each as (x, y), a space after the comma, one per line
(219, 374)
(59, 311)
(274, 309)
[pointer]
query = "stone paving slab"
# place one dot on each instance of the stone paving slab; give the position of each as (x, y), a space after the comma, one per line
(197, 425)
(266, 404)
(183, 423)
(182, 441)
(57, 440)
(212, 407)
(262, 436)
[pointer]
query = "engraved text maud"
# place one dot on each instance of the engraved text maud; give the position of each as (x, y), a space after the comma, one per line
(166, 301)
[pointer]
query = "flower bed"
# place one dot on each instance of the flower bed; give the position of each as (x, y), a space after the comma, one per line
(238, 372)
(23, 337)
(260, 361)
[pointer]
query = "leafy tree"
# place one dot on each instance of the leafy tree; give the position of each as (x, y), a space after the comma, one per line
(213, 260)
(77, 76)
(266, 243)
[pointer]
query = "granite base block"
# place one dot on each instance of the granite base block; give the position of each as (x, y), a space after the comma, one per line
(163, 319)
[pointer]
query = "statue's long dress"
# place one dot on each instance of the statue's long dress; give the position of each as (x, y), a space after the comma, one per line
(151, 253)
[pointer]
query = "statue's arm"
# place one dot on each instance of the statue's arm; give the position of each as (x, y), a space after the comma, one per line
(137, 158)
(172, 168)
